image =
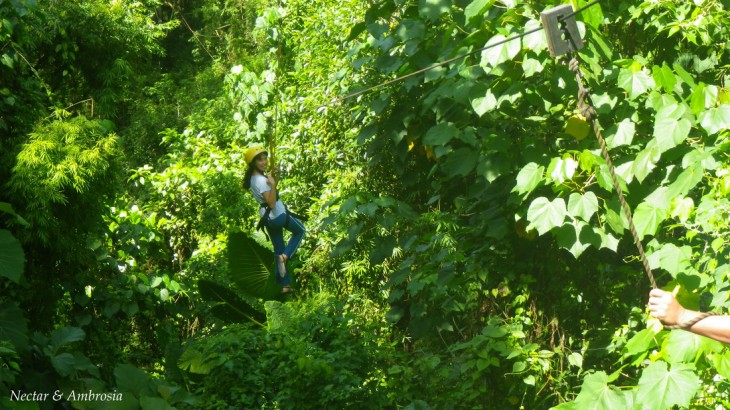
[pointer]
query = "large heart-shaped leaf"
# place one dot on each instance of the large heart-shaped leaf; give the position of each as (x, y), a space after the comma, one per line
(250, 266)
(670, 132)
(661, 388)
(635, 83)
(597, 394)
(647, 218)
(582, 206)
(545, 215)
(715, 119)
(499, 51)
(528, 178)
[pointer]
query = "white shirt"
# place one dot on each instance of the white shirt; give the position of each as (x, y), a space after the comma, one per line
(259, 185)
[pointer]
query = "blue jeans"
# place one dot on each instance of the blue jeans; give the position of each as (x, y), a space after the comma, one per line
(275, 227)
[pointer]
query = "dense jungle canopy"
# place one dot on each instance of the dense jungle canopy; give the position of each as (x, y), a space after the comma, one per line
(465, 247)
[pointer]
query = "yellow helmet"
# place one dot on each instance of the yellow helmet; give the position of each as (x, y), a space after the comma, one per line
(252, 152)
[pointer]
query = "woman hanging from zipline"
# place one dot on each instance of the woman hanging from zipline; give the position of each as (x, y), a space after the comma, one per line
(272, 213)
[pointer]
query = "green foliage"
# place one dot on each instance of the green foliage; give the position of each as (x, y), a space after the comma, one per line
(457, 202)
(251, 266)
(232, 308)
(317, 353)
(80, 156)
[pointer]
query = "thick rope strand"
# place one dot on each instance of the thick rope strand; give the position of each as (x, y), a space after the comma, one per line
(590, 115)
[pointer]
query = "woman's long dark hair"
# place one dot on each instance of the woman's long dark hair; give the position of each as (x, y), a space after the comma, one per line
(249, 172)
(247, 177)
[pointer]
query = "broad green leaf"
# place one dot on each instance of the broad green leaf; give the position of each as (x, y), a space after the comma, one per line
(12, 257)
(615, 216)
(531, 66)
(476, 8)
(647, 219)
(440, 134)
(682, 347)
(235, 309)
(13, 325)
(640, 343)
(66, 335)
(132, 380)
(7, 208)
(702, 157)
(684, 75)
(671, 258)
(529, 178)
(497, 54)
(635, 83)
(154, 403)
(672, 111)
(545, 215)
(433, 9)
(623, 135)
(608, 241)
(659, 198)
(534, 41)
(597, 394)
(582, 206)
(704, 97)
(461, 162)
(484, 103)
(576, 237)
(664, 77)
(645, 162)
(716, 119)
(682, 208)
(592, 16)
(669, 132)
(63, 363)
(688, 179)
(250, 266)
(562, 169)
(721, 362)
(661, 388)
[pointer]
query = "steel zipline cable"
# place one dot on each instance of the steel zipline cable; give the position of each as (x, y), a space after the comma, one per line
(451, 60)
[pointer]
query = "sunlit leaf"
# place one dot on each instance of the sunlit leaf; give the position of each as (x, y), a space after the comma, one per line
(544, 214)
(499, 51)
(597, 394)
(251, 266)
(670, 132)
(716, 119)
(664, 77)
(661, 388)
(623, 135)
(476, 8)
(582, 206)
(529, 178)
(647, 219)
(635, 83)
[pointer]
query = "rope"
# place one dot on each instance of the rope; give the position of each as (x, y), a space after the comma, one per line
(590, 114)
(689, 323)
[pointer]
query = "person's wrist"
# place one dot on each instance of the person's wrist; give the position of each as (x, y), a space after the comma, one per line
(685, 316)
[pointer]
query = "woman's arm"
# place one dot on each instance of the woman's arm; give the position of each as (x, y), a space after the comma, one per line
(663, 306)
(270, 195)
